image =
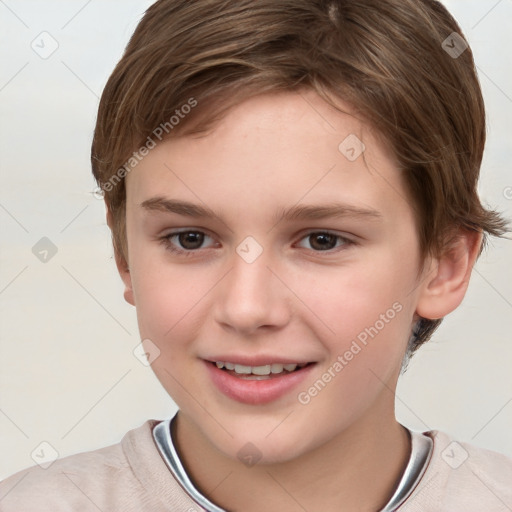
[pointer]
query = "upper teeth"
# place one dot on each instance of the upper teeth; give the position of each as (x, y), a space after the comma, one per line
(259, 370)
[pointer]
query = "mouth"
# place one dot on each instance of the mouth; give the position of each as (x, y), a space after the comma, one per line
(258, 384)
(261, 372)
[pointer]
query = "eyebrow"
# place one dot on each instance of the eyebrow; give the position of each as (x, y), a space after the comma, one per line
(295, 213)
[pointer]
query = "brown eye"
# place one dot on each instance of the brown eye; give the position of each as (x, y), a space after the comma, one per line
(188, 244)
(190, 239)
(323, 241)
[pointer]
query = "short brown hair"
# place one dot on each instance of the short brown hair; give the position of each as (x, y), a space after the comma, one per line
(388, 59)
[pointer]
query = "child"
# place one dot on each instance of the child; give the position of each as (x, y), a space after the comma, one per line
(291, 188)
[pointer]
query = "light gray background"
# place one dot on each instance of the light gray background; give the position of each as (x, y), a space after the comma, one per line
(67, 372)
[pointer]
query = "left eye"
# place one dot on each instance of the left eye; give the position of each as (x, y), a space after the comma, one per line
(187, 240)
(324, 241)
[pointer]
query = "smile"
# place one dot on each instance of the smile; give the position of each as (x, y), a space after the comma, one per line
(257, 384)
(268, 370)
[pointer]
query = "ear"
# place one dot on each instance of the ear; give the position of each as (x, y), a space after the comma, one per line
(121, 263)
(446, 280)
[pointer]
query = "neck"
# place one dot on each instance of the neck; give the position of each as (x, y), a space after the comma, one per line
(358, 469)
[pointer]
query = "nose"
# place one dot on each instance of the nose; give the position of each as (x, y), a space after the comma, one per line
(251, 298)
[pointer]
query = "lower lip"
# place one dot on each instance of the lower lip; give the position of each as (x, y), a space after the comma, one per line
(256, 392)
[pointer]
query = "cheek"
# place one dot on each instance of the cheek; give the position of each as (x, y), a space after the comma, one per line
(169, 313)
(167, 298)
(361, 300)
(370, 315)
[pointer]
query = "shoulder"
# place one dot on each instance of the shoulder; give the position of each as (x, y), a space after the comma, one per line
(461, 476)
(65, 484)
(126, 476)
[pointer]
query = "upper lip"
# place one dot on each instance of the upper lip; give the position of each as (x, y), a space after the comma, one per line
(260, 360)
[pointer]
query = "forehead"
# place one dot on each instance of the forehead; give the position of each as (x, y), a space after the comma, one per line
(271, 151)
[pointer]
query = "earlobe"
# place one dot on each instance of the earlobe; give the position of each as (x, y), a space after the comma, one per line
(124, 272)
(122, 264)
(446, 281)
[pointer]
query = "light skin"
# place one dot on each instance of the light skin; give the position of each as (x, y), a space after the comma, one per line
(305, 298)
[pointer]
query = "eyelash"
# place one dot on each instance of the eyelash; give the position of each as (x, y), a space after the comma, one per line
(166, 241)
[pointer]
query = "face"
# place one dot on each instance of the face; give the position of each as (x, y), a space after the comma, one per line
(274, 270)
